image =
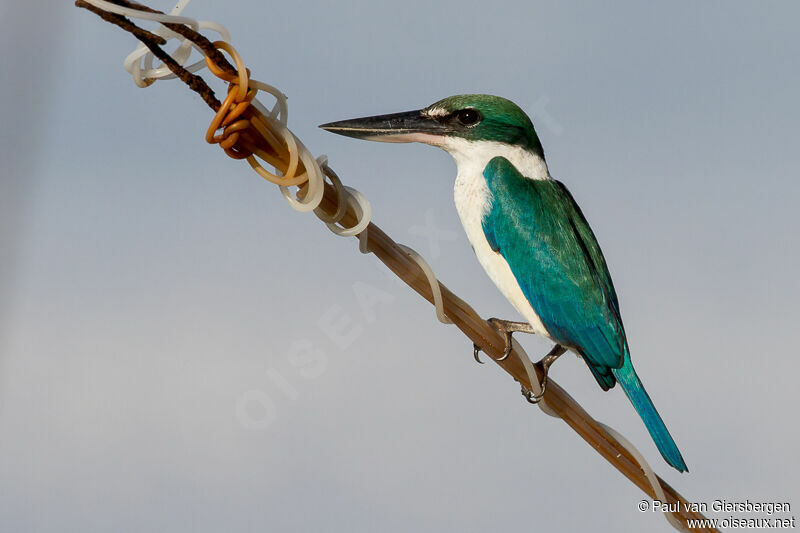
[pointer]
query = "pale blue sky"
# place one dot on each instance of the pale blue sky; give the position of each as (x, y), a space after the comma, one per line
(151, 286)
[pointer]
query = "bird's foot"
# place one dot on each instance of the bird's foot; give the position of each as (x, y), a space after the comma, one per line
(506, 328)
(544, 365)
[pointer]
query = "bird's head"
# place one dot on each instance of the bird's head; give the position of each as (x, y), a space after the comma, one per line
(449, 124)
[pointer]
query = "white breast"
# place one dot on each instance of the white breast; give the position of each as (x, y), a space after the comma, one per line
(473, 200)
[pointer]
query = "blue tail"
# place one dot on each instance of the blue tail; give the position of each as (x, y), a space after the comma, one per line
(647, 411)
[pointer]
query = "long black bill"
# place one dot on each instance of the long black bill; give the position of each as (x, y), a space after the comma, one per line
(409, 126)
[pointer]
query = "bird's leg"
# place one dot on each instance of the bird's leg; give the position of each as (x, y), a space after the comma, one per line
(544, 364)
(506, 328)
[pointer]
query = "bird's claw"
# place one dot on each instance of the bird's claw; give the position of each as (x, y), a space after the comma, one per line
(500, 326)
(531, 397)
(476, 350)
(544, 366)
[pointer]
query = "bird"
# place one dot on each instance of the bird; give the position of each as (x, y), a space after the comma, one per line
(529, 235)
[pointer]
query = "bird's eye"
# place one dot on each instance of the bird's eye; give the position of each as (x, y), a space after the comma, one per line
(468, 117)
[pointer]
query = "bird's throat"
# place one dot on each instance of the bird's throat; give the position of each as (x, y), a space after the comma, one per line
(471, 157)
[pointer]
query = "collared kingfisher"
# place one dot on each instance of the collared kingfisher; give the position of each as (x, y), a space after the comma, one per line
(529, 235)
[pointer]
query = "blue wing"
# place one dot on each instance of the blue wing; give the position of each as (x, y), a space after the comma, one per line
(553, 253)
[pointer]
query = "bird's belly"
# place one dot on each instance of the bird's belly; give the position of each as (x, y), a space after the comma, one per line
(471, 201)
